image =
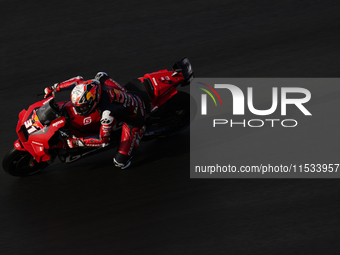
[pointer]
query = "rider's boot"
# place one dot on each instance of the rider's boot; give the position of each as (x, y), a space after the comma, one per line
(129, 143)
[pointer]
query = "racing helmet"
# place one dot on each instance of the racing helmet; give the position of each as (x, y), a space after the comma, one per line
(85, 97)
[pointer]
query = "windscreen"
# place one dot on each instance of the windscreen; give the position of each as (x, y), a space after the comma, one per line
(47, 113)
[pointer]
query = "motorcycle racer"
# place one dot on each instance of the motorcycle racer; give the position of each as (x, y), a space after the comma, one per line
(115, 104)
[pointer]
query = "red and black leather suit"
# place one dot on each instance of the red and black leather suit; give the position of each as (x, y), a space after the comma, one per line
(115, 104)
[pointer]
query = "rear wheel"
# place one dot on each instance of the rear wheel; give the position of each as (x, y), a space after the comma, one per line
(21, 163)
(178, 113)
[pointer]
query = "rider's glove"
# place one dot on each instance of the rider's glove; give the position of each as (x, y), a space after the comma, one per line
(101, 76)
(50, 90)
(72, 143)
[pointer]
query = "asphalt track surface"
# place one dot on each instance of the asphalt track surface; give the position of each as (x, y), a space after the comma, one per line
(89, 207)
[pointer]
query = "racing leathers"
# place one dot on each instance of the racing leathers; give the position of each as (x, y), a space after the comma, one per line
(116, 104)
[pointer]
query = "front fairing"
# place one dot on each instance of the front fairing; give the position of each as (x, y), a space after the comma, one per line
(35, 134)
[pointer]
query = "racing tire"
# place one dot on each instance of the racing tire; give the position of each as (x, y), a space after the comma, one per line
(179, 110)
(21, 163)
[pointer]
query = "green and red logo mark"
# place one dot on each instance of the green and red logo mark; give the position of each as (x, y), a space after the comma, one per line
(204, 97)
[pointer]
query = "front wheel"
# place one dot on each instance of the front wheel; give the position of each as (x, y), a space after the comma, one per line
(21, 163)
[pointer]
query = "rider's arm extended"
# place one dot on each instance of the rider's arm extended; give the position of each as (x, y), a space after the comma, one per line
(101, 140)
(125, 103)
(104, 79)
(65, 85)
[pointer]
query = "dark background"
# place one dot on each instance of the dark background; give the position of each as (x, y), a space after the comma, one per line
(90, 207)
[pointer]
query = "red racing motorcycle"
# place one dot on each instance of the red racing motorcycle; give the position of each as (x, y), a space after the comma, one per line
(45, 126)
